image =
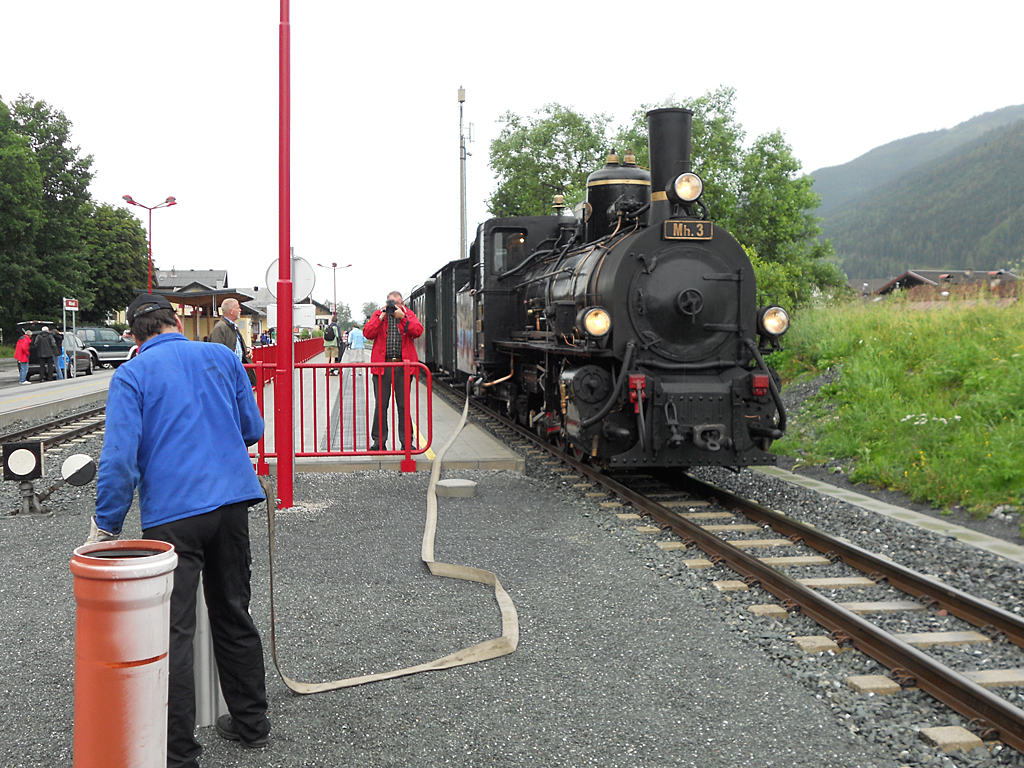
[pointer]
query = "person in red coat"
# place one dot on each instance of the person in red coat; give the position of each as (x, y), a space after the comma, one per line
(21, 355)
(392, 328)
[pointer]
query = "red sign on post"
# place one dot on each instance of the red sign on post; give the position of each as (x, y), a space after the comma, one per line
(71, 305)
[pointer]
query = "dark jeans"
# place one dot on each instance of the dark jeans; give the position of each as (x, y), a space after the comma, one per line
(215, 544)
(392, 378)
(46, 368)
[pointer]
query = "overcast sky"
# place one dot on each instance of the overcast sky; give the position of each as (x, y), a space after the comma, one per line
(181, 98)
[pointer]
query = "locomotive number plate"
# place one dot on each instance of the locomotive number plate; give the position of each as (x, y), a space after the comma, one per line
(688, 230)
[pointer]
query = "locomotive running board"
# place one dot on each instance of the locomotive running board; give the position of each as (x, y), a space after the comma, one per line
(489, 649)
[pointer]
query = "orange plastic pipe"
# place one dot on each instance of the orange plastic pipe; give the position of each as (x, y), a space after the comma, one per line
(122, 632)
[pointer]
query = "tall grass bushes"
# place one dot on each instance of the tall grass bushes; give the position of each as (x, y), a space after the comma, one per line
(929, 401)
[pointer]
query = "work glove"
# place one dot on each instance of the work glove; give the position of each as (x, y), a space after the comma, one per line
(97, 534)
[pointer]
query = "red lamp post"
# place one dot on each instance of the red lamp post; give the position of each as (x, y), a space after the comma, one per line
(165, 204)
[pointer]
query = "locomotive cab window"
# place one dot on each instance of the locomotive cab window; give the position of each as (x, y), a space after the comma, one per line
(508, 248)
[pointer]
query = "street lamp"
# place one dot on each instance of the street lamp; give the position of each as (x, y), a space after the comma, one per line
(333, 266)
(165, 204)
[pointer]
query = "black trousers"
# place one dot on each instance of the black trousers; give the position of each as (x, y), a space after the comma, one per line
(392, 378)
(47, 370)
(215, 544)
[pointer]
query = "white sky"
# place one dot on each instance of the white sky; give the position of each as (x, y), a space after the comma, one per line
(181, 98)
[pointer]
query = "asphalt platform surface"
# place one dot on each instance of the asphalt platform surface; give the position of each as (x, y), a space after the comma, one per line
(616, 666)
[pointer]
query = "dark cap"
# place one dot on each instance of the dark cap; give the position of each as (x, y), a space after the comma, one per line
(145, 304)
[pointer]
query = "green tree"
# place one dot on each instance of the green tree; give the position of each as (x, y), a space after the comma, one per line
(49, 247)
(21, 215)
(369, 307)
(549, 154)
(117, 259)
(758, 194)
(716, 149)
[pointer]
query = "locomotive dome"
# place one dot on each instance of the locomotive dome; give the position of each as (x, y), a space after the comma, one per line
(618, 187)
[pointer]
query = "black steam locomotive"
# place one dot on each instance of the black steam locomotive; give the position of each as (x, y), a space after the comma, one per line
(629, 333)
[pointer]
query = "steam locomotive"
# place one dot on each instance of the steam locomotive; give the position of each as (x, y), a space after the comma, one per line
(629, 332)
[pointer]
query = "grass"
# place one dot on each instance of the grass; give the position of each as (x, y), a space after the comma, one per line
(929, 401)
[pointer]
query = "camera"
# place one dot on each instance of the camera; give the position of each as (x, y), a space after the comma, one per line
(391, 307)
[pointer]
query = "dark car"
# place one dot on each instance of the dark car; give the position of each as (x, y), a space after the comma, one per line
(81, 357)
(107, 346)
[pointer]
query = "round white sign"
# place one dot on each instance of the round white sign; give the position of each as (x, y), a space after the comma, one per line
(21, 462)
(303, 278)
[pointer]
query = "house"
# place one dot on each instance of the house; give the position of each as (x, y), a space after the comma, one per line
(929, 284)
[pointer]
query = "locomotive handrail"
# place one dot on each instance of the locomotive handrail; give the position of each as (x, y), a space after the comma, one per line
(774, 390)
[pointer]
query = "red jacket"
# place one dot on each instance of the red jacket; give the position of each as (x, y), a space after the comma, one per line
(21, 349)
(376, 328)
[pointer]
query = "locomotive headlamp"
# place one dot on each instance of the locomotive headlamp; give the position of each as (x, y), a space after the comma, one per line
(774, 321)
(688, 187)
(597, 322)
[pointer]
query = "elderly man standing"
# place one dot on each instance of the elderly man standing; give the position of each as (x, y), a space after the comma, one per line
(226, 332)
(180, 416)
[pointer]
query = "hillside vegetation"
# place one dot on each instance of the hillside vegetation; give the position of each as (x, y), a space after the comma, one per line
(839, 184)
(943, 200)
(928, 402)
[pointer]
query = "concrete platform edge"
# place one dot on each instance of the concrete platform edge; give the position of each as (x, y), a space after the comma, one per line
(51, 410)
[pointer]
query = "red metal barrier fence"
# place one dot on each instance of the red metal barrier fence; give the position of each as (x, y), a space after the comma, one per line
(336, 406)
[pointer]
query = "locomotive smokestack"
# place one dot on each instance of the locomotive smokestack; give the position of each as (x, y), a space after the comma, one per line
(670, 132)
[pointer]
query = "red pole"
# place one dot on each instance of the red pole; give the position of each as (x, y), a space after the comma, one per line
(283, 429)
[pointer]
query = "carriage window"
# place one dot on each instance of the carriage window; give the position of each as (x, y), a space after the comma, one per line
(509, 249)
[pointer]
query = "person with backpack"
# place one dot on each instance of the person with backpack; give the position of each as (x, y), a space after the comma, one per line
(331, 345)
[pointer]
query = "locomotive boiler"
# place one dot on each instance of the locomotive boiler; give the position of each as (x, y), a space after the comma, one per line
(629, 332)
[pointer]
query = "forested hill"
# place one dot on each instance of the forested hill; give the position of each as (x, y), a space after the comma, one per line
(947, 199)
(841, 183)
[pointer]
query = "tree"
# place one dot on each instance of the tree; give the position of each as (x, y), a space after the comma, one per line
(537, 158)
(757, 194)
(21, 215)
(54, 241)
(716, 149)
(369, 307)
(117, 259)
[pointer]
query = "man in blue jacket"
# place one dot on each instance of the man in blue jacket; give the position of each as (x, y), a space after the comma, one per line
(179, 419)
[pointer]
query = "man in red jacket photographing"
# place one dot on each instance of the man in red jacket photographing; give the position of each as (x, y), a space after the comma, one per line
(393, 328)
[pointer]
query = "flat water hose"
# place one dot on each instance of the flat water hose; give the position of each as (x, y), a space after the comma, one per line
(489, 649)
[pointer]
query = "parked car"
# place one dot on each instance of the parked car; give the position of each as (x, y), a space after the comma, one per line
(80, 357)
(106, 345)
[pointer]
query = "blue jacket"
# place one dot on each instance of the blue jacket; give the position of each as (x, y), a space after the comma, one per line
(179, 419)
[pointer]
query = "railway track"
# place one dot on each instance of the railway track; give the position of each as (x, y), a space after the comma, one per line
(60, 430)
(729, 528)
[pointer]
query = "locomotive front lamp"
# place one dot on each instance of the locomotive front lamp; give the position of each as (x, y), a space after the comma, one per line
(597, 322)
(687, 187)
(774, 321)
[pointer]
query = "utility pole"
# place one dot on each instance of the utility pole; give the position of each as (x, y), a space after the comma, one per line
(462, 176)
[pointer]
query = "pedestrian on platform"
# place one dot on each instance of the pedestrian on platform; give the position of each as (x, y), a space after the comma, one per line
(392, 328)
(356, 345)
(226, 332)
(179, 420)
(21, 355)
(46, 349)
(332, 339)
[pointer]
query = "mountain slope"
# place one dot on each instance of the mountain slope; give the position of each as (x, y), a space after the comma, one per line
(841, 184)
(963, 210)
